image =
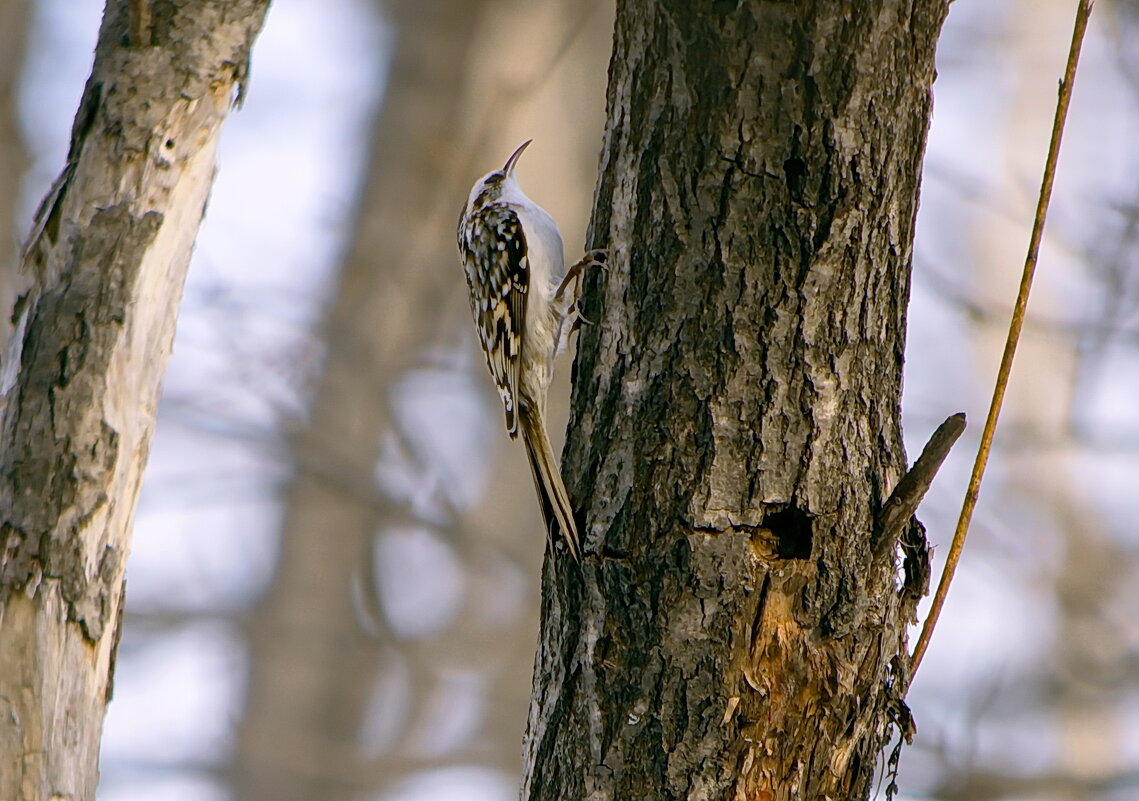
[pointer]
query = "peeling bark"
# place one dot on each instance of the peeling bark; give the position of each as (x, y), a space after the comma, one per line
(108, 256)
(736, 425)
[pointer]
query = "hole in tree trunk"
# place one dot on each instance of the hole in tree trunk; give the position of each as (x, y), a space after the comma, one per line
(793, 530)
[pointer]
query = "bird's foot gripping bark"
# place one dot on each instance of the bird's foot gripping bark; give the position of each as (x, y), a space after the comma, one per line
(594, 258)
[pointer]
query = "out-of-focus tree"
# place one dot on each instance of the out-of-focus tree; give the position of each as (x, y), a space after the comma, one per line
(351, 690)
(314, 668)
(107, 258)
(14, 17)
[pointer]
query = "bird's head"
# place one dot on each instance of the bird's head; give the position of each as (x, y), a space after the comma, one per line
(494, 185)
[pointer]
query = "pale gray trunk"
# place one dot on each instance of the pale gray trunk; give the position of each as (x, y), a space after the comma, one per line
(107, 259)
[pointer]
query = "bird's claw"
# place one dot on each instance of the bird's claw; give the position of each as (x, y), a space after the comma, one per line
(593, 258)
(579, 318)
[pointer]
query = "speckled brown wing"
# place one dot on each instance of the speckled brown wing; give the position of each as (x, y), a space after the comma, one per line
(493, 248)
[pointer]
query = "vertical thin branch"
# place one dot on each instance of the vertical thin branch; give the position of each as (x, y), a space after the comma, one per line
(1015, 326)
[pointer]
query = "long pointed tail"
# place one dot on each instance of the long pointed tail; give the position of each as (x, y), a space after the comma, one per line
(552, 495)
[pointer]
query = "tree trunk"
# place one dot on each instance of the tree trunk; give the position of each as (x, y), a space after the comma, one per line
(313, 668)
(737, 629)
(108, 256)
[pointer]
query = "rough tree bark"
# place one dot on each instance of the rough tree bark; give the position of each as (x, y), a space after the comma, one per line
(738, 629)
(108, 255)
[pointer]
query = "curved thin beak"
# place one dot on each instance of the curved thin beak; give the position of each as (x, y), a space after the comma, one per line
(512, 162)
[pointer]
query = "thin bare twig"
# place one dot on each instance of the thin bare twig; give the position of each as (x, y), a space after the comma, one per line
(910, 490)
(1015, 326)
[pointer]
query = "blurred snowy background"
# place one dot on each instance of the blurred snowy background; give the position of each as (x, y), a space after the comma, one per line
(333, 587)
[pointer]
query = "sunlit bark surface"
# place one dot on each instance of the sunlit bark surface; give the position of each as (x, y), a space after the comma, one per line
(80, 380)
(734, 631)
